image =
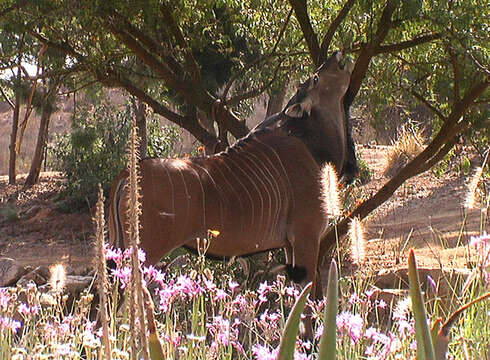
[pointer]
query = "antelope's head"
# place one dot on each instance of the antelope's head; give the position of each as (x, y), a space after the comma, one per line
(316, 112)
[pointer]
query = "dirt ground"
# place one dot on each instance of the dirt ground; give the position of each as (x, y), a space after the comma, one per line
(425, 214)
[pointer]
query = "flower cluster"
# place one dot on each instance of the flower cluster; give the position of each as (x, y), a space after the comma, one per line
(482, 245)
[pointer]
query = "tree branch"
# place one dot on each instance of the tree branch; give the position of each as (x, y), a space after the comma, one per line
(188, 123)
(428, 104)
(179, 37)
(327, 39)
(456, 73)
(11, 104)
(254, 92)
(151, 45)
(151, 61)
(367, 51)
(301, 13)
(406, 44)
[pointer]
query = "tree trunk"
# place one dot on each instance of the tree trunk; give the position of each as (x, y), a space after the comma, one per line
(276, 101)
(13, 134)
(139, 108)
(42, 139)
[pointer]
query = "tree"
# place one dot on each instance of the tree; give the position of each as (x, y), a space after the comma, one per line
(199, 64)
(200, 59)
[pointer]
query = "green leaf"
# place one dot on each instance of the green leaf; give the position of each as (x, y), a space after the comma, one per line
(328, 341)
(425, 347)
(288, 340)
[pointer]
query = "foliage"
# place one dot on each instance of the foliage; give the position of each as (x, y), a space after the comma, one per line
(9, 212)
(161, 139)
(95, 151)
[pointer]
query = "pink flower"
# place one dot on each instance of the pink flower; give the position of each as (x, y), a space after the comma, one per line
(114, 254)
(351, 324)
(263, 290)
(8, 324)
(153, 274)
(210, 285)
(220, 329)
(220, 294)
(232, 285)
(291, 291)
(27, 310)
(432, 284)
(4, 298)
(480, 241)
(369, 293)
(319, 332)
(263, 353)
(354, 298)
(123, 274)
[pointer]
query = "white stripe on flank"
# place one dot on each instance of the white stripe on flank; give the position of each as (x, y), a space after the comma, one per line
(268, 165)
(253, 169)
(219, 194)
(187, 196)
(257, 191)
(243, 186)
(282, 166)
(234, 191)
(275, 189)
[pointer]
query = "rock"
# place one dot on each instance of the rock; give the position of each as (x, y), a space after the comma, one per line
(75, 284)
(10, 271)
(32, 276)
(446, 280)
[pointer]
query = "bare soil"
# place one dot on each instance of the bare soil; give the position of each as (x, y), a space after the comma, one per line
(42, 235)
(424, 214)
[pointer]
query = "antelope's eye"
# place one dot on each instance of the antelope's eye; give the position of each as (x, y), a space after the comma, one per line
(315, 79)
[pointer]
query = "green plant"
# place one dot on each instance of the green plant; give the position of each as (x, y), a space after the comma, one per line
(9, 212)
(161, 139)
(93, 153)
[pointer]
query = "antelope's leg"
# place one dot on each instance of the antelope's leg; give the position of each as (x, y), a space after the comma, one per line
(305, 246)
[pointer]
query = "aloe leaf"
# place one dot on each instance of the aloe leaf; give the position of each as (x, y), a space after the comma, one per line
(425, 347)
(328, 341)
(288, 340)
(154, 342)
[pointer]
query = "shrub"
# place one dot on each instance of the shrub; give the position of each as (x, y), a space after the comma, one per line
(95, 152)
(409, 144)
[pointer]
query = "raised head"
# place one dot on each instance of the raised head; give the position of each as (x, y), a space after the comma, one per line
(326, 87)
(316, 112)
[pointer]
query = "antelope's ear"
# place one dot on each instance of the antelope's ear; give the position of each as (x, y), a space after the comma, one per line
(297, 110)
(294, 110)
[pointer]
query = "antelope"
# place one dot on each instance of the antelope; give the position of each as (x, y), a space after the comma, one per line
(261, 193)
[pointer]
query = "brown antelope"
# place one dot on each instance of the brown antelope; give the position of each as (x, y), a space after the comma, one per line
(261, 193)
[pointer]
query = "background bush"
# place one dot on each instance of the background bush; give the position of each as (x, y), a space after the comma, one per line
(95, 151)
